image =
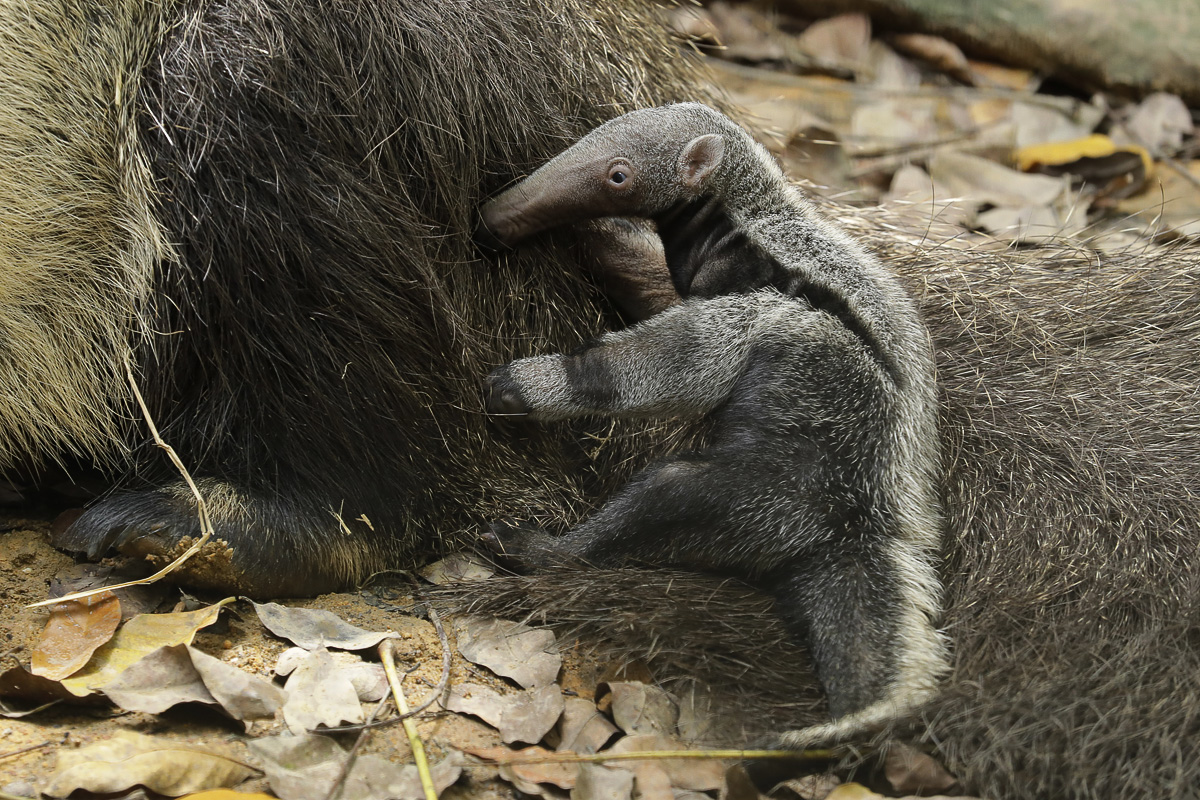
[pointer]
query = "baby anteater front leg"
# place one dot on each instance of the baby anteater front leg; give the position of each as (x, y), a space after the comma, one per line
(682, 362)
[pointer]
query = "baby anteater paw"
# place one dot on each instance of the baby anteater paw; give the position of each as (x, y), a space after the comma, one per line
(502, 395)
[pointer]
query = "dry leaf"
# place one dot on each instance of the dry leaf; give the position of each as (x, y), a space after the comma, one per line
(841, 40)
(1159, 123)
(527, 655)
(1037, 122)
(142, 599)
(738, 785)
(313, 628)
(1171, 204)
(598, 782)
(697, 774)
(940, 53)
(582, 728)
(130, 759)
(890, 70)
(987, 73)
(319, 692)
(74, 631)
(909, 771)
(369, 679)
(641, 708)
(241, 695)
(158, 681)
(228, 794)
(1033, 224)
(305, 768)
(21, 684)
(457, 568)
(980, 181)
(135, 640)
(695, 24)
(525, 716)
(651, 781)
(853, 791)
(560, 774)
(812, 787)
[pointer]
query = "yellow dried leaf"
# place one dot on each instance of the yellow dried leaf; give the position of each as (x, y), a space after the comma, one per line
(853, 791)
(1059, 153)
(73, 632)
(130, 759)
(228, 794)
(139, 637)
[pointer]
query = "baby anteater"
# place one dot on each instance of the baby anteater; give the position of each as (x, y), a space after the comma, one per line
(817, 482)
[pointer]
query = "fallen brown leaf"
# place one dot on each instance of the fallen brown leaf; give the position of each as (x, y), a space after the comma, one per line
(130, 759)
(457, 568)
(136, 639)
(315, 628)
(641, 708)
(560, 774)
(525, 716)
(942, 54)
(319, 692)
(74, 631)
(582, 728)
(701, 775)
(651, 781)
(305, 768)
(909, 771)
(162, 679)
(853, 791)
(527, 655)
(598, 782)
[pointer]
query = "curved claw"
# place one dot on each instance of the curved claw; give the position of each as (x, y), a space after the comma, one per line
(502, 397)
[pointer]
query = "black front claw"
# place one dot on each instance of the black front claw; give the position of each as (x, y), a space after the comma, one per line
(502, 396)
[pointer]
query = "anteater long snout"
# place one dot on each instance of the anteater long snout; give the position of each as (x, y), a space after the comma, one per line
(567, 189)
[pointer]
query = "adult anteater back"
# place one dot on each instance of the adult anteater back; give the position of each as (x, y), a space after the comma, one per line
(266, 207)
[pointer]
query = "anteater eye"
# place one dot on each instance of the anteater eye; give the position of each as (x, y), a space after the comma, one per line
(617, 177)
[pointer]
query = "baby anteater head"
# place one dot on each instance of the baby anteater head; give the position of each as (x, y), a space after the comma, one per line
(639, 164)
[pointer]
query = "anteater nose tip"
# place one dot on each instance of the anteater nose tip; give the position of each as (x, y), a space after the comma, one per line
(487, 241)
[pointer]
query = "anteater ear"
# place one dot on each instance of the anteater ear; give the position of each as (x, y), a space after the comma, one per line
(700, 157)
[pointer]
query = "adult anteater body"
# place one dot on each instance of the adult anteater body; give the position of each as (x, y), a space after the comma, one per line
(265, 208)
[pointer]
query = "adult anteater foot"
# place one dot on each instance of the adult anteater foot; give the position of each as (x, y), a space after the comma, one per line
(260, 546)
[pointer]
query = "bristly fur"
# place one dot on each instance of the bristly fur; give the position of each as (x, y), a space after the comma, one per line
(79, 244)
(320, 330)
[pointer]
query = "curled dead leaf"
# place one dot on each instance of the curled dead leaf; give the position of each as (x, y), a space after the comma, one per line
(130, 759)
(136, 639)
(640, 708)
(312, 628)
(527, 655)
(525, 716)
(74, 631)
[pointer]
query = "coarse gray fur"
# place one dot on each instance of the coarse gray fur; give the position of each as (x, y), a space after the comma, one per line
(818, 479)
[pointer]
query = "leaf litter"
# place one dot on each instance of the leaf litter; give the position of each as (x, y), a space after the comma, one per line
(906, 118)
(506, 677)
